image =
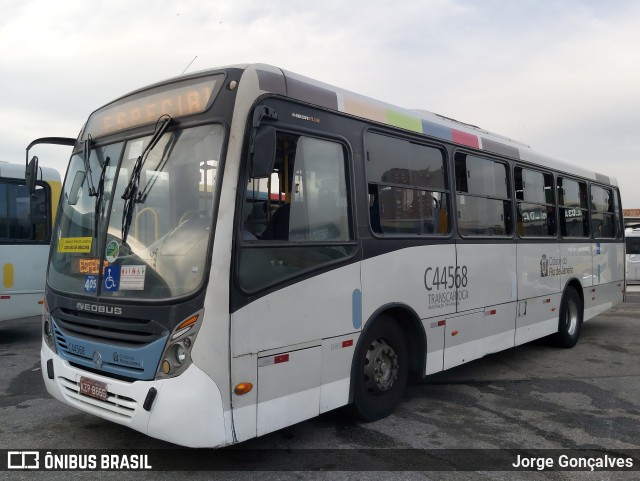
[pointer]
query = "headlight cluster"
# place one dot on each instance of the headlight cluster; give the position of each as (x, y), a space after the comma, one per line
(47, 327)
(177, 355)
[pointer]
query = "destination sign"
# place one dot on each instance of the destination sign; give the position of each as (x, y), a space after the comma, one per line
(177, 100)
(88, 265)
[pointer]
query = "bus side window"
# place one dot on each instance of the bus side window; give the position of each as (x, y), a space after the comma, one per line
(603, 221)
(574, 213)
(23, 218)
(484, 202)
(407, 187)
(618, 214)
(535, 203)
(4, 217)
(40, 214)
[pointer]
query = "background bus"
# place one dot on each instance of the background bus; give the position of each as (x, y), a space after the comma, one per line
(241, 249)
(632, 239)
(25, 233)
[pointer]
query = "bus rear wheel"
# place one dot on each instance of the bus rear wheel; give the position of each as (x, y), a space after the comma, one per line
(381, 370)
(570, 321)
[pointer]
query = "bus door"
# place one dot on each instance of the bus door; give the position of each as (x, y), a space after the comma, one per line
(541, 259)
(485, 262)
(409, 260)
(298, 283)
(607, 255)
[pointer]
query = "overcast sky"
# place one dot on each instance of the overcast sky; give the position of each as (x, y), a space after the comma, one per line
(561, 76)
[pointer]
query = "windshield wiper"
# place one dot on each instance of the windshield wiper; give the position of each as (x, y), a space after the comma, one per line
(164, 158)
(100, 194)
(86, 154)
(130, 194)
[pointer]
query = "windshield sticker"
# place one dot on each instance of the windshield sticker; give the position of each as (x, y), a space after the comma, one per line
(91, 284)
(112, 251)
(132, 278)
(135, 149)
(75, 244)
(112, 278)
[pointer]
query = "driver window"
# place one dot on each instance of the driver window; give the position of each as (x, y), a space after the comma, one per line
(294, 219)
(304, 199)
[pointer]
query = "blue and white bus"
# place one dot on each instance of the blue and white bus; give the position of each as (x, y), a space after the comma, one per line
(244, 248)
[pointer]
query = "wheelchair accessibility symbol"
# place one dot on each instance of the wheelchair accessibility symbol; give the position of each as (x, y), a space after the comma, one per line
(112, 278)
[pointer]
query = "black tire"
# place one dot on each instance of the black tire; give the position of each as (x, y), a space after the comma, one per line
(378, 391)
(570, 320)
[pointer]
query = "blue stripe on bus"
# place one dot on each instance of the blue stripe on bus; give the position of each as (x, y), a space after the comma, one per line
(356, 308)
(436, 130)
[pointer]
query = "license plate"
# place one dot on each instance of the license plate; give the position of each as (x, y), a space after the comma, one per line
(93, 388)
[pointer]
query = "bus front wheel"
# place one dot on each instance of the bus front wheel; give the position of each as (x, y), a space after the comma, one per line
(381, 370)
(570, 321)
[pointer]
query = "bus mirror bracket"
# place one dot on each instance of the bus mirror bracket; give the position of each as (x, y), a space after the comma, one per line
(31, 167)
(262, 150)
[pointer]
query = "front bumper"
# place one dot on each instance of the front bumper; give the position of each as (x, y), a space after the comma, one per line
(187, 410)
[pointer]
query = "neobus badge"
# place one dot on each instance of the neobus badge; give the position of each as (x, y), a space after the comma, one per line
(100, 309)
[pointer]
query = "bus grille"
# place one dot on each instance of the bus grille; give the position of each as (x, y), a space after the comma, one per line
(103, 351)
(107, 329)
(119, 406)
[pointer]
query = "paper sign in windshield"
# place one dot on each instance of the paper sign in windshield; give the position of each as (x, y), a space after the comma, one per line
(132, 278)
(75, 244)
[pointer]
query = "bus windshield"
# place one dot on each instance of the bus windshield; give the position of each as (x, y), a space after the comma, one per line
(165, 252)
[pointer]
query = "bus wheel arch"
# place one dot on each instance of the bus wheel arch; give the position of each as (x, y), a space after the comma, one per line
(571, 315)
(391, 344)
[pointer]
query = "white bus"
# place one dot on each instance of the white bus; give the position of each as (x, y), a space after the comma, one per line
(261, 248)
(26, 223)
(632, 240)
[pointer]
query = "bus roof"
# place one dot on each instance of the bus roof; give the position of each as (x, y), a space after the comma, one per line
(270, 79)
(275, 80)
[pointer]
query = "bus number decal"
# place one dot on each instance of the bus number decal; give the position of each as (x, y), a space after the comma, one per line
(451, 280)
(91, 284)
(77, 349)
(446, 277)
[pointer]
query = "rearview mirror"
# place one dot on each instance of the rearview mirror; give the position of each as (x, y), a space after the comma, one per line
(31, 175)
(264, 152)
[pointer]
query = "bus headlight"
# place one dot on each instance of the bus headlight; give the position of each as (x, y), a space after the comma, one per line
(180, 353)
(177, 353)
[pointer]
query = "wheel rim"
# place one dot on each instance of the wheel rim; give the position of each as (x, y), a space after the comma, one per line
(572, 317)
(380, 366)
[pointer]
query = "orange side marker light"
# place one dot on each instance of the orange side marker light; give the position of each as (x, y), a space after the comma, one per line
(243, 388)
